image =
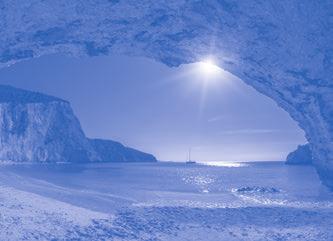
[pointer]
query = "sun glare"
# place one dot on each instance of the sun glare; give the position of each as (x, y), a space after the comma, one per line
(209, 68)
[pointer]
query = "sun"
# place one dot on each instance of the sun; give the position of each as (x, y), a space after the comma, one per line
(209, 68)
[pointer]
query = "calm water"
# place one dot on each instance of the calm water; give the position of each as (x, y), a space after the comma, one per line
(109, 186)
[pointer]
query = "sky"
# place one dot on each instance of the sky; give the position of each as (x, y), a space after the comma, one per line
(164, 111)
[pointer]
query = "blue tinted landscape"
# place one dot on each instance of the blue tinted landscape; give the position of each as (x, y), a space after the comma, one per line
(178, 120)
(165, 201)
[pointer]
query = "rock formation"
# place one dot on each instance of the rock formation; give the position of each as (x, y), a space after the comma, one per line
(39, 128)
(112, 151)
(281, 48)
(301, 156)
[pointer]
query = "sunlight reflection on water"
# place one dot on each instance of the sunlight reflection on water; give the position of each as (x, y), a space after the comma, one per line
(224, 164)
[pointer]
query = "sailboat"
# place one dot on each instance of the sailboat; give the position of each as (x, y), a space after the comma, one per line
(189, 161)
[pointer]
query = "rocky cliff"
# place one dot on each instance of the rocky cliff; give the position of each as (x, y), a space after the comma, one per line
(39, 128)
(301, 156)
(112, 151)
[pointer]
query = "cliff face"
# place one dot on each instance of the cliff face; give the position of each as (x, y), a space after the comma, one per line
(40, 128)
(301, 156)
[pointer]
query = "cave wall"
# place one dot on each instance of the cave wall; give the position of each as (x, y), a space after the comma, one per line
(281, 48)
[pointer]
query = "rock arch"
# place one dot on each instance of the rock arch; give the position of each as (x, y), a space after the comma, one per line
(282, 48)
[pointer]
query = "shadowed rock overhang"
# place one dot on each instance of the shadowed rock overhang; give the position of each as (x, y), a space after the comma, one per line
(282, 48)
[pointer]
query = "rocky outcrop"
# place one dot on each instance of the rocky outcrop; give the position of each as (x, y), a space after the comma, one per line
(301, 156)
(281, 48)
(112, 151)
(41, 128)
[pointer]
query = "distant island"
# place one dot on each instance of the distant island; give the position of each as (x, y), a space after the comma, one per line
(35, 127)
